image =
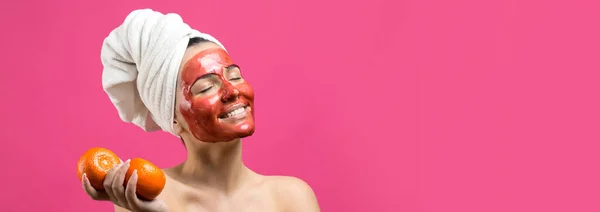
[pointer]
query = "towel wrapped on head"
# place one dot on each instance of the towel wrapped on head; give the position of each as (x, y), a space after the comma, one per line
(141, 60)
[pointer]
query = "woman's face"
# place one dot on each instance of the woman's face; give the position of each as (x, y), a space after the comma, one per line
(213, 99)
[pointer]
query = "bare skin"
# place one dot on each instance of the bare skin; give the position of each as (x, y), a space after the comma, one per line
(212, 178)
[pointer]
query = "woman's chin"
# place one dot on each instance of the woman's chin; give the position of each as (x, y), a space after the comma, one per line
(243, 131)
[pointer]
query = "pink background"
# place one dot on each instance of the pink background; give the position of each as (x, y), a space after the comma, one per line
(463, 105)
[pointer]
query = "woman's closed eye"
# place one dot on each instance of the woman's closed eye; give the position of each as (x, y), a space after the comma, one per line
(206, 89)
(202, 87)
(234, 75)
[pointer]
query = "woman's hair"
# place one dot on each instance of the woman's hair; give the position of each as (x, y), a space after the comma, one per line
(196, 40)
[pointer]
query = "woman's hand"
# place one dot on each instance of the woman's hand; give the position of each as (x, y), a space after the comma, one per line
(122, 196)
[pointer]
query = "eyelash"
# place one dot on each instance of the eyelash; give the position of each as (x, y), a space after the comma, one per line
(207, 89)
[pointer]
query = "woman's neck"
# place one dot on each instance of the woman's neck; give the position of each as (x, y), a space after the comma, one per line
(216, 165)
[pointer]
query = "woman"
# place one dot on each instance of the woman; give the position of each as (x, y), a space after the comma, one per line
(161, 74)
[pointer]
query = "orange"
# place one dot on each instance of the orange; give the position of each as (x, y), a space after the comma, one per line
(151, 180)
(95, 163)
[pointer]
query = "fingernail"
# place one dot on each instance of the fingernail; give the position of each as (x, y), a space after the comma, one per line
(134, 172)
(127, 161)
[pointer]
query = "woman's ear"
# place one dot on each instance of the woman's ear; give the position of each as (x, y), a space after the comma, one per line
(177, 127)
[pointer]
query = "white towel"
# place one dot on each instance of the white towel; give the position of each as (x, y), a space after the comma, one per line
(141, 61)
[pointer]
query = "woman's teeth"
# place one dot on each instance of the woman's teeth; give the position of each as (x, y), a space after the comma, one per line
(235, 112)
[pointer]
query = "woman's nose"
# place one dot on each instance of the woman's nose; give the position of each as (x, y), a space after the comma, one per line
(229, 92)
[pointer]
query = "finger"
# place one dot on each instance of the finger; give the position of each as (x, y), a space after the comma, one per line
(141, 205)
(91, 191)
(108, 183)
(117, 184)
(132, 198)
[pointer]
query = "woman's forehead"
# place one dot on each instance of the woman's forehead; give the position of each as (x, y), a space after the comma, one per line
(191, 51)
(195, 49)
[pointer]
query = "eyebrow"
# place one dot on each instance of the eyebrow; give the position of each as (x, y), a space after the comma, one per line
(232, 66)
(204, 77)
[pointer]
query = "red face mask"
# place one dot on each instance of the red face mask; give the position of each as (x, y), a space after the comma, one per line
(218, 104)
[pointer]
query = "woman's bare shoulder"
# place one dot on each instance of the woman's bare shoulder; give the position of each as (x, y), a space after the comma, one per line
(289, 183)
(294, 193)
